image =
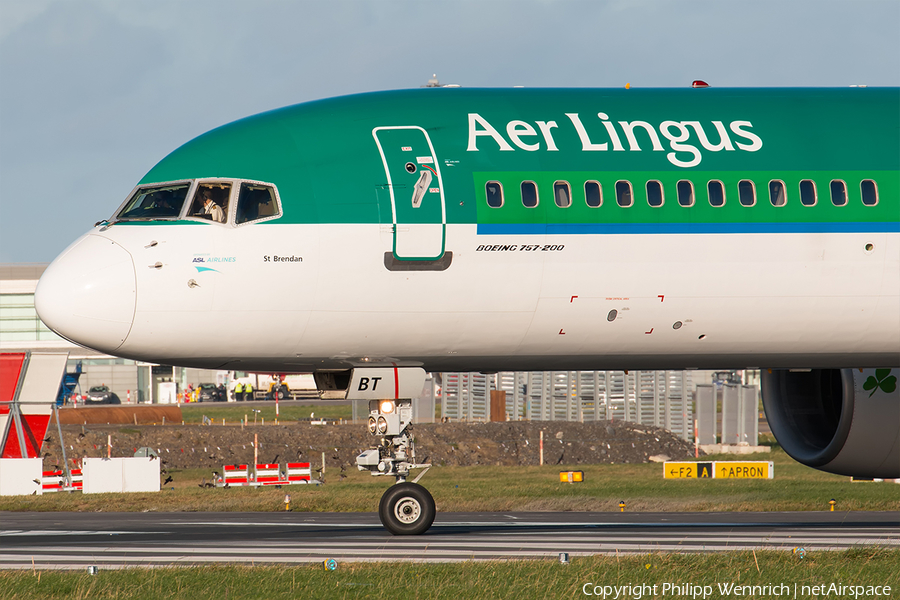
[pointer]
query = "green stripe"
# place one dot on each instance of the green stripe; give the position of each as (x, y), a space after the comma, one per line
(323, 159)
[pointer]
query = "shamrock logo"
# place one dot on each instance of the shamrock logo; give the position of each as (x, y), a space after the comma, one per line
(881, 380)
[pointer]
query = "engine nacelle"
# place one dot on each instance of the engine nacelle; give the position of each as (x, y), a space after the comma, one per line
(843, 421)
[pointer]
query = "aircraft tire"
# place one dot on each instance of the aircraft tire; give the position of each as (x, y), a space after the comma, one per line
(406, 509)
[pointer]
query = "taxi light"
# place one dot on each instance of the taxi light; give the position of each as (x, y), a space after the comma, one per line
(382, 425)
(371, 424)
(387, 407)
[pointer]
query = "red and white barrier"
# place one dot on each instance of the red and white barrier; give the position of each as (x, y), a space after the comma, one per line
(29, 382)
(268, 474)
(77, 479)
(298, 473)
(236, 475)
(264, 474)
(53, 481)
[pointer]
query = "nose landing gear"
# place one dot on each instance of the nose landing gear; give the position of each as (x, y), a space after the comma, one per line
(406, 508)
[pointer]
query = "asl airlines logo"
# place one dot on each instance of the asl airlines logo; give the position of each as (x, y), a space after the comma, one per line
(206, 258)
(609, 135)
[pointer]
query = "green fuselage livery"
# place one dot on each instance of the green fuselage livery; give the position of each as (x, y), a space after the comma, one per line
(323, 158)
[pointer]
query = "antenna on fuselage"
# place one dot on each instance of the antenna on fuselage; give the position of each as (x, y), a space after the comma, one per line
(434, 83)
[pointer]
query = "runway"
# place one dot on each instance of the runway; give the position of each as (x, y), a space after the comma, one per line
(113, 540)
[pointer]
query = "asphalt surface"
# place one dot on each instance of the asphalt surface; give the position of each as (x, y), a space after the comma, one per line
(115, 540)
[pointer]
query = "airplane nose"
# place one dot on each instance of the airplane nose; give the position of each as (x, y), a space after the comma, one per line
(88, 294)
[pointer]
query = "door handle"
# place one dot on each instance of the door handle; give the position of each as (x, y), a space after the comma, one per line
(421, 187)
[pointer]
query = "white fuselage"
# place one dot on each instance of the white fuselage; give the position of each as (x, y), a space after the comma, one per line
(585, 302)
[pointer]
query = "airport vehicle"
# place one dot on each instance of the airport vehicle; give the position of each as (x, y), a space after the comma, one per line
(293, 386)
(208, 392)
(101, 394)
(467, 229)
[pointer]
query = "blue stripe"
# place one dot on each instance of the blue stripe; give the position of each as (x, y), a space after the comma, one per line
(682, 228)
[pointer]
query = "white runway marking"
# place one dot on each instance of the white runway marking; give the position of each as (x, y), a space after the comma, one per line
(280, 538)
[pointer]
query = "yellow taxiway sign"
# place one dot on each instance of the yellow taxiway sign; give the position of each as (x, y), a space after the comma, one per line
(719, 470)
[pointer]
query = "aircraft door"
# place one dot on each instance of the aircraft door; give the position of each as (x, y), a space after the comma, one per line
(416, 191)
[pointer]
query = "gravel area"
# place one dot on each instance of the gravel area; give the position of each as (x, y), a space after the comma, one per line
(452, 444)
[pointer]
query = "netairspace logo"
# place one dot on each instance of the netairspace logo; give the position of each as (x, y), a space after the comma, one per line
(733, 590)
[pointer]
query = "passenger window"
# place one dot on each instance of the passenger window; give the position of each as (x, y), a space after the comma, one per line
(256, 202)
(838, 192)
(529, 194)
(747, 192)
(808, 192)
(562, 194)
(685, 191)
(716, 192)
(654, 193)
(624, 196)
(156, 202)
(777, 193)
(211, 202)
(869, 192)
(494, 192)
(593, 194)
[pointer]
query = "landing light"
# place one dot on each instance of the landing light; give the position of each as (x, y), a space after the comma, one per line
(372, 424)
(387, 407)
(382, 425)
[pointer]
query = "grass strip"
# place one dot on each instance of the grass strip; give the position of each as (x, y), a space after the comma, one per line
(718, 575)
(492, 488)
(194, 412)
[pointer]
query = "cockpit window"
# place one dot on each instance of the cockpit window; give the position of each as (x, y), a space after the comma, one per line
(156, 202)
(211, 201)
(255, 202)
(207, 200)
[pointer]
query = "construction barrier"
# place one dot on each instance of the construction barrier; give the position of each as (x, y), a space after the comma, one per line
(235, 475)
(53, 481)
(29, 383)
(20, 476)
(268, 474)
(120, 474)
(298, 473)
(77, 480)
(264, 474)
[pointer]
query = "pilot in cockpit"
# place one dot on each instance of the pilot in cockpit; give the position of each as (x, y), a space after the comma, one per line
(210, 208)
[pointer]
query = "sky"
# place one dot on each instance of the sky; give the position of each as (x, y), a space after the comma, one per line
(94, 93)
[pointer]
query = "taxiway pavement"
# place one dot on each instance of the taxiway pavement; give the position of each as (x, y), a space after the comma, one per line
(114, 540)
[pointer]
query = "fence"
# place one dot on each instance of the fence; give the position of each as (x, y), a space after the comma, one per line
(660, 398)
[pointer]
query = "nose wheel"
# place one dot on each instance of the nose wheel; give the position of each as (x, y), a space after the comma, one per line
(406, 509)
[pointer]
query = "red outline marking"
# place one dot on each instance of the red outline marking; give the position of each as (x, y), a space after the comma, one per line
(572, 299)
(430, 169)
(661, 297)
(396, 384)
(649, 332)
(561, 332)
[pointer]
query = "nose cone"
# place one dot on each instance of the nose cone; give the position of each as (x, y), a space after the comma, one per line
(87, 295)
